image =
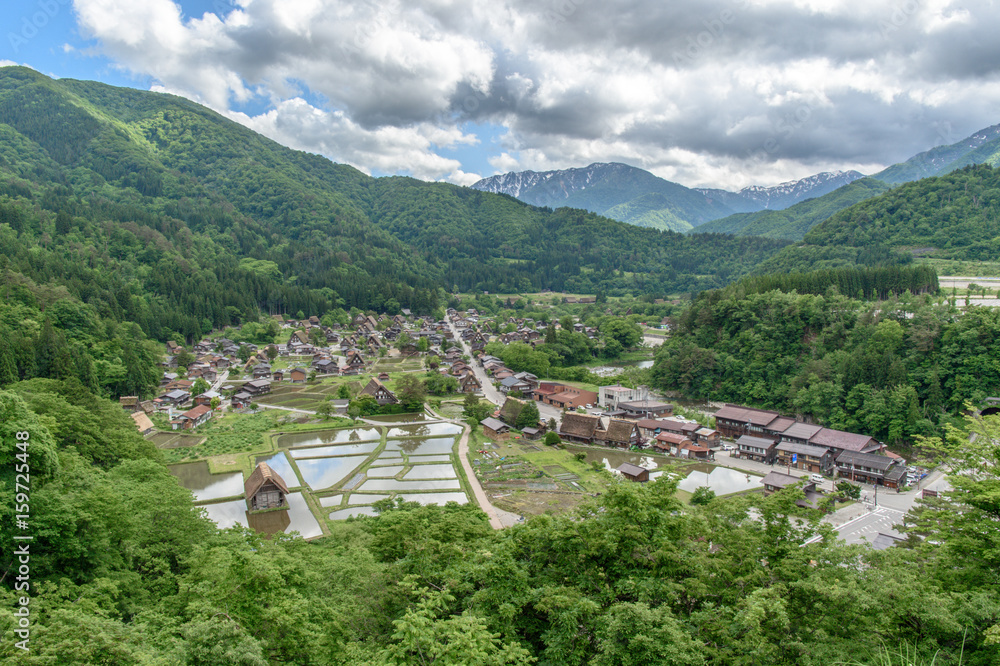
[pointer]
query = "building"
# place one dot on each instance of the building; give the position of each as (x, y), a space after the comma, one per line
(142, 422)
(511, 409)
(760, 449)
(129, 403)
(870, 468)
(619, 432)
(192, 418)
(378, 390)
(645, 409)
(265, 489)
(671, 443)
(579, 427)
(493, 428)
(468, 383)
(609, 396)
(734, 421)
(775, 481)
(298, 375)
(634, 472)
(258, 387)
(806, 457)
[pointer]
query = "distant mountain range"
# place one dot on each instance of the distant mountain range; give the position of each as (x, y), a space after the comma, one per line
(636, 196)
(785, 211)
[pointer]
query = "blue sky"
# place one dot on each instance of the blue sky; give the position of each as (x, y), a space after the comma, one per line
(717, 93)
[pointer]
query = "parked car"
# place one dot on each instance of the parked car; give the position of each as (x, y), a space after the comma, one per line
(817, 478)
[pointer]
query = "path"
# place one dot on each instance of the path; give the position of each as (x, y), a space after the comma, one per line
(499, 518)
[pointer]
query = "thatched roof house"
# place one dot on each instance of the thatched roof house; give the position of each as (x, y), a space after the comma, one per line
(578, 427)
(265, 489)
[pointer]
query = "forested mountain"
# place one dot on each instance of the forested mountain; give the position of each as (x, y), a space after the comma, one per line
(778, 197)
(145, 208)
(793, 223)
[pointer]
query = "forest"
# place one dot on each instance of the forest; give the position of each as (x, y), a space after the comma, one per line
(125, 570)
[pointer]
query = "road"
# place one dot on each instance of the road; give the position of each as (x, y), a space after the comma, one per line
(489, 391)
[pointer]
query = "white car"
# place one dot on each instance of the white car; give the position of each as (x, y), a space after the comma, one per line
(817, 478)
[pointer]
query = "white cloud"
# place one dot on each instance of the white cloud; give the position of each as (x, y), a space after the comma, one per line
(707, 92)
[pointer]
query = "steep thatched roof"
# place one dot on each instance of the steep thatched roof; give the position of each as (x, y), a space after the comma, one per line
(261, 475)
(582, 426)
(619, 431)
(511, 410)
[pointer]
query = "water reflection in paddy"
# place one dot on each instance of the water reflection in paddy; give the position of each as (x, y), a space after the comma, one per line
(425, 430)
(325, 472)
(423, 459)
(430, 472)
(353, 511)
(332, 500)
(359, 498)
(205, 485)
(421, 446)
(435, 498)
(612, 459)
(339, 450)
(720, 479)
(227, 514)
(279, 463)
(298, 518)
(384, 472)
(409, 486)
(319, 437)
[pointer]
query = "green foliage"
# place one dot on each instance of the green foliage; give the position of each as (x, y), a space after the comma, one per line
(702, 495)
(552, 438)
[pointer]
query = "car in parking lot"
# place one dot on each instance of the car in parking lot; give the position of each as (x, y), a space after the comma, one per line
(817, 478)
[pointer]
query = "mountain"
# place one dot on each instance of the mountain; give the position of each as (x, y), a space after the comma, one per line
(793, 223)
(983, 147)
(618, 191)
(149, 208)
(953, 216)
(755, 197)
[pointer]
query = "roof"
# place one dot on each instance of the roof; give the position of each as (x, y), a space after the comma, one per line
(511, 409)
(579, 425)
(780, 424)
(757, 417)
(619, 430)
(882, 541)
(683, 426)
(801, 431)
(750, 440)
(804, 449)
(649, 424)
(630, 469)
(261, 475)
(142, 421)
(672, 438)
(865, 460)
(373, 386)
(197, 412)
(494, 424)
(128, 400)
(511, 382)
(641, 405)
(838, 439)
(779, 480)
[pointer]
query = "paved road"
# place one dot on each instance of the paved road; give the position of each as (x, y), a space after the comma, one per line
(489, 391)
(865, 527)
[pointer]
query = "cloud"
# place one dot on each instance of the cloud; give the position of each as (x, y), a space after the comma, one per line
(708, 92)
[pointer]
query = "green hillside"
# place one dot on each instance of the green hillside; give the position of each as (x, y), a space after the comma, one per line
(794, 222)
(155, 210)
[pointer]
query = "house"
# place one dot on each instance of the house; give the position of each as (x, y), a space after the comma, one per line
(173, 347)
(608, 397)
(326, 366)
(693, 450)
(279, 375)
(532, 433)
(173, 398)
(734, 421)
(578, 427)
(298, 375)
(206, 398)
(634, 472)
(241, 400)
(871, 468)
(261, 371)
(493, 428)
(258, 387)
(760, 449)
(671, 443)
(265, 489)
(806, 457)
(511, 409)
(377, 390)
(142, 422)
(619, 432)
(512, 383)
(129, 403)
(468, 383)
(564, 397)
(192, 418)
(707, 437)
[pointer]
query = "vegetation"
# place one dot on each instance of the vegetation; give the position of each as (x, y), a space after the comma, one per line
(892, 369)
(120, 555)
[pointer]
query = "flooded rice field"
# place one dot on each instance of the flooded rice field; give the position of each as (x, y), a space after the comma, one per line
(435, 498)
(384, 472)
(352, 511)
(409, 486)
(397, 418)
(720, 479)
(438, 445)
(320, 437)
(426, 459)
(425, 430)
(359, 498)
(205, 485)
(430, 472)
(279, 463)
(319, 473)
(227, 514)
(298, 518)
(336, 450)
(612, 459)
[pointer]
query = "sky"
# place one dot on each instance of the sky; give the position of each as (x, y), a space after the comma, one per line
(705, 93)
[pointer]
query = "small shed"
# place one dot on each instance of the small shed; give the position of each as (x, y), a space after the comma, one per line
(634, 472)
(265, 489)
(494, 428)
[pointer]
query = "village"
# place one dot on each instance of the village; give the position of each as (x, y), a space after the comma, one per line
(338, 429)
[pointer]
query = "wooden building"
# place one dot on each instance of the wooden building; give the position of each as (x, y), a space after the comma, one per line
(265, 489)
(806, 457)
(620, 433)
(634, 472)
(760, 449)
(378, 390)
(578, 427)
(493, 428)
